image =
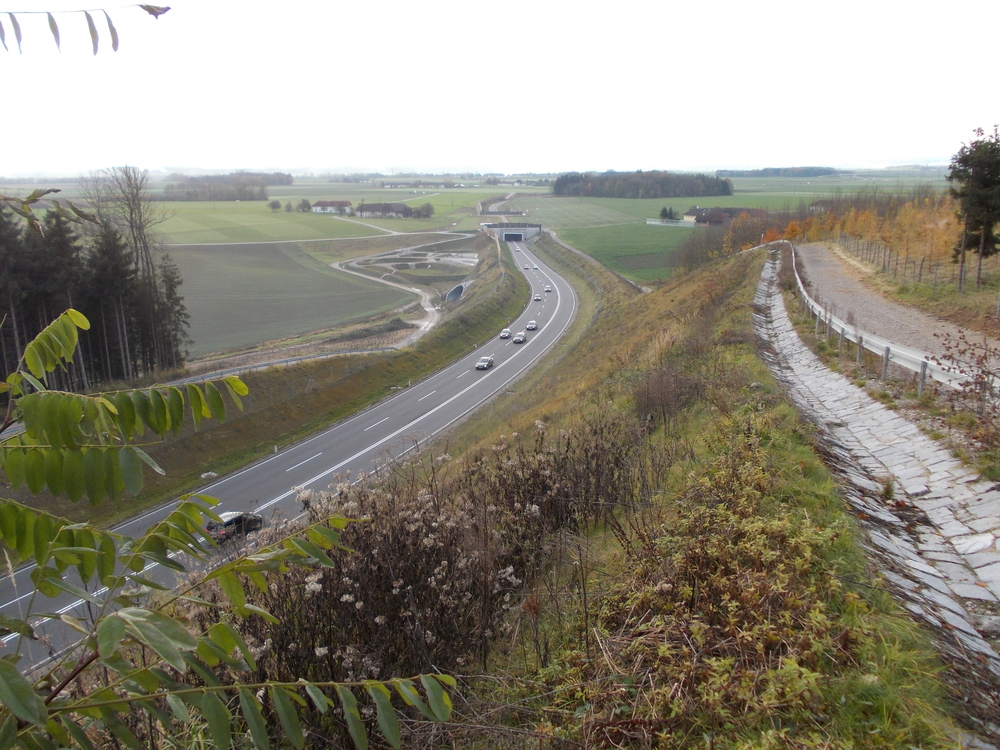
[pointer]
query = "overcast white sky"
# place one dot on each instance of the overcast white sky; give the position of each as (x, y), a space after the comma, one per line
(514, 86)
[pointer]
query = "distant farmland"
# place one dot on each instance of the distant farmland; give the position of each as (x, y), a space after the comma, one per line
(208, 222)
(641, 252)
(242, 295)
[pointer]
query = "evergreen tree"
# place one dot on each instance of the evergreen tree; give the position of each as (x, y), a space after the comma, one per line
(173, 315)
(109, 299)
(975, 176)
(12, 290)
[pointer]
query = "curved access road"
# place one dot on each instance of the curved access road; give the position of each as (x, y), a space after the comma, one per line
(355, 446)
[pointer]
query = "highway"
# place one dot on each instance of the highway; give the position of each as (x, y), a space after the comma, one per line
(357, 445)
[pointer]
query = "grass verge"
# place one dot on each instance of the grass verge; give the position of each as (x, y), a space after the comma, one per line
(733, 608)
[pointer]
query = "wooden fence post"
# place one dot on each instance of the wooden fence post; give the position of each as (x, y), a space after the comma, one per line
(923, 379)
(885, 364)
(861, 348)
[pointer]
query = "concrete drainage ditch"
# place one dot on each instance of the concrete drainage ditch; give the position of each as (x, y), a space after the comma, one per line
(934, 541)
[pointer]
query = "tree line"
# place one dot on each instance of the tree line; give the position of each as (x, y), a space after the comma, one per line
(237, 186)
(110, 271)
(654, 184)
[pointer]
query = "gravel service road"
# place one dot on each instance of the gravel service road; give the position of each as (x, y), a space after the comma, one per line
(838, 281)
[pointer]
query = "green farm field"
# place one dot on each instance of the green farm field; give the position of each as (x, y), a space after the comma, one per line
(205, 222)
(208, 222)
(812, 188)
(562, 213)
(243, 295)
(639, 252)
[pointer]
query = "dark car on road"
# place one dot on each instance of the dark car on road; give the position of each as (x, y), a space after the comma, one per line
(484, 363)
(520, 337)
(232, 525)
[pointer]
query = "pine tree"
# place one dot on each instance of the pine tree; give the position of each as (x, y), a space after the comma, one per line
(975, 176)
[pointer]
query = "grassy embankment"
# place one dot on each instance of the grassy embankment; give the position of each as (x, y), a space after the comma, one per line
(287, 404)
(710, 592)
(734, 609)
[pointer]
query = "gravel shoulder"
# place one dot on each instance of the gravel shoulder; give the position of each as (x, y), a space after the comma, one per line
(842, 284)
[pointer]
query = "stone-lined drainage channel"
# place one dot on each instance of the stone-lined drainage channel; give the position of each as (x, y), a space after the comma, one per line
(936, 540)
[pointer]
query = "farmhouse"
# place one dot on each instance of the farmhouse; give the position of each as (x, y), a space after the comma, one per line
(332, 207)
(383, 210)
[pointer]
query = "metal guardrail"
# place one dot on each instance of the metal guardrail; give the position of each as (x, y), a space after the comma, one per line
(891, 353)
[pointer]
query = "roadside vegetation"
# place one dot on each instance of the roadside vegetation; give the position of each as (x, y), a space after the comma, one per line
(648, 554)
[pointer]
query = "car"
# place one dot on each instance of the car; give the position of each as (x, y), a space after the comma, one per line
(532, 325)
(520, 337)
(548, 288)
(525, 266)
(536, 268)
(517, 249)
(233, 524)
(484, 363)
(505, 333)
(538, 298)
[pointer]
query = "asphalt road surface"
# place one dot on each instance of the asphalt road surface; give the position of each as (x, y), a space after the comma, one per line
(357, 445)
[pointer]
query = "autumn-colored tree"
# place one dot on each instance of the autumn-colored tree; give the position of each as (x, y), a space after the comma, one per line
(744, 232)
(793, 231)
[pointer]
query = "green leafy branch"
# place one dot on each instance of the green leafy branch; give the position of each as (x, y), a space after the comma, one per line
(83, 444)
(57, 545)
(23, 206)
